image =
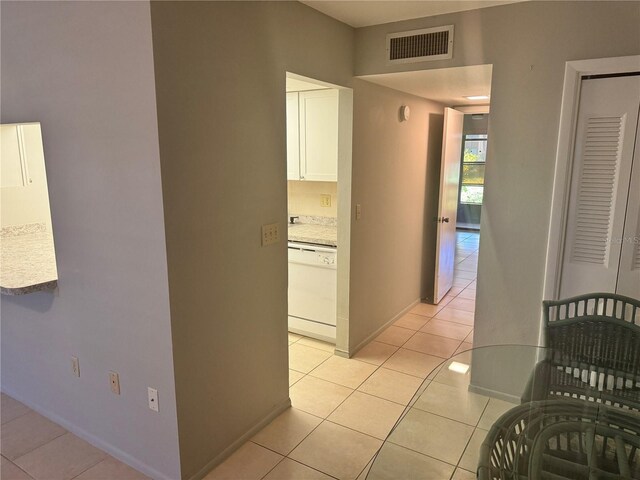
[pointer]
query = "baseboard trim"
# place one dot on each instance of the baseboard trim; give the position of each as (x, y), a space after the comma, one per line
(362, 344)
(226, 453)
(90, 438)
(487, 392)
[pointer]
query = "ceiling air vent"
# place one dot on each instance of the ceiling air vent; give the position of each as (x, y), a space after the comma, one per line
(420, 45)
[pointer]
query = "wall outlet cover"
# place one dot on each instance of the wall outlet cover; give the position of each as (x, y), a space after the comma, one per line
(75, 366)
(325, 200)
(270, 234)
(114, 381)
(152, 395)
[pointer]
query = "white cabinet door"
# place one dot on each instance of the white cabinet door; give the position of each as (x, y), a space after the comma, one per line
(319, 135)
(13, 163)
(293, 137)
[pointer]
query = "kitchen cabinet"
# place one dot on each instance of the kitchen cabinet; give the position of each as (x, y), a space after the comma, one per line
(312, 135)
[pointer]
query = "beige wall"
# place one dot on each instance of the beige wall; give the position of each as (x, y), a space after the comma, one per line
(85, 71)
(528, 44)
(303, 198)
(220, 79)
(389, 181)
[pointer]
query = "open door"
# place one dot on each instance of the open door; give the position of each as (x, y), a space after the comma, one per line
(448, 203)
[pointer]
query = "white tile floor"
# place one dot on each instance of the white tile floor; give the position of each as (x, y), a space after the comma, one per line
(343, 409)
(34, 448)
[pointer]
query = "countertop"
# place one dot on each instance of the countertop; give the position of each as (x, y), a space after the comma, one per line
(317, 230)
(28, 260)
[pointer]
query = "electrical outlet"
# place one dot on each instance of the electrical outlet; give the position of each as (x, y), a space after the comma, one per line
(358, 211)
(114, 381)
(75, 366)
(325, 200)
(270, 234)
(152, 394)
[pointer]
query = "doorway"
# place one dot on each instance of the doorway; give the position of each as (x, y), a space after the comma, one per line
(319, 123)
(449, 315)
(472, 168)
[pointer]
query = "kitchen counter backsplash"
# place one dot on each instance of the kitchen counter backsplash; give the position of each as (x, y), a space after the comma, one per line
(314, 229)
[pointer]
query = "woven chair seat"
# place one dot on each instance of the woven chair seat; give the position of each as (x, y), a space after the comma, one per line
(562, 440)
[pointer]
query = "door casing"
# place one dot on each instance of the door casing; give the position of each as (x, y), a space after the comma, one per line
(574, 71)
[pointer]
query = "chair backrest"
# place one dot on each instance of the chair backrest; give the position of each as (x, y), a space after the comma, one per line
(595, 339)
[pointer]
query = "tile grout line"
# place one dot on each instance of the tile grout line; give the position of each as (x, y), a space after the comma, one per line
(41, 445)
(378, 367)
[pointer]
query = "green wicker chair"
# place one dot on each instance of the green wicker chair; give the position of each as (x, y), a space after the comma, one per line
(585, 390)
(593, 351)
(562, 440)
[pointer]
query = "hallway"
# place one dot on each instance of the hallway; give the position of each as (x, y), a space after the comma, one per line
(343, 409)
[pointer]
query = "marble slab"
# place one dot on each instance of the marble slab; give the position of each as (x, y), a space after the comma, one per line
(310, 233)
(28, 260)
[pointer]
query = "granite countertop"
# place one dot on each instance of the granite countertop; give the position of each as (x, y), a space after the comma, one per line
(316, 230)
(28, 260)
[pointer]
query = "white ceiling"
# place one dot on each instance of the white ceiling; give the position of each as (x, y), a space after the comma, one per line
(362, 13)
(446, 85)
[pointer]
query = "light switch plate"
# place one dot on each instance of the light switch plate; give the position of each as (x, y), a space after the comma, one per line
(270, 234)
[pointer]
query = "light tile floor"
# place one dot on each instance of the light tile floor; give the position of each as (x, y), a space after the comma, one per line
(34, 448)
(343, 409)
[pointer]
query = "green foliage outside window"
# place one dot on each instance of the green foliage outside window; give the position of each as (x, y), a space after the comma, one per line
(473, 164)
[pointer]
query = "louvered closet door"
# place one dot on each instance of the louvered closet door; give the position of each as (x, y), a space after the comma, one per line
(629, 272)
(600, 186)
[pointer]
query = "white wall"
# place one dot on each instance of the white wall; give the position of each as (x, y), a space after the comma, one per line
(389, 180)
(528, 44)
(220, 80)
(85, 71)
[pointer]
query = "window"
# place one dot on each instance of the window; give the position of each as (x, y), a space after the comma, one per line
(472, 172)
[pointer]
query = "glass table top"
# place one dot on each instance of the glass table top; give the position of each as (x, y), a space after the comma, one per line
(495, 407)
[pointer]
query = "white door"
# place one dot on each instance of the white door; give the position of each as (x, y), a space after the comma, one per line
(319, 135)
(629, 271)
(293, 137)
(448, 202)
(599, 200)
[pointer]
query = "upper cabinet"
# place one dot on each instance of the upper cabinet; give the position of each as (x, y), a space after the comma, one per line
(312, 135)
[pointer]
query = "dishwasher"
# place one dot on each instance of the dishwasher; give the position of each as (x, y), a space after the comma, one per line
(313, 290)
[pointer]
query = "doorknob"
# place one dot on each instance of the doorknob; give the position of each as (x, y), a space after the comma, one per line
(445, 219)
(441, 219)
